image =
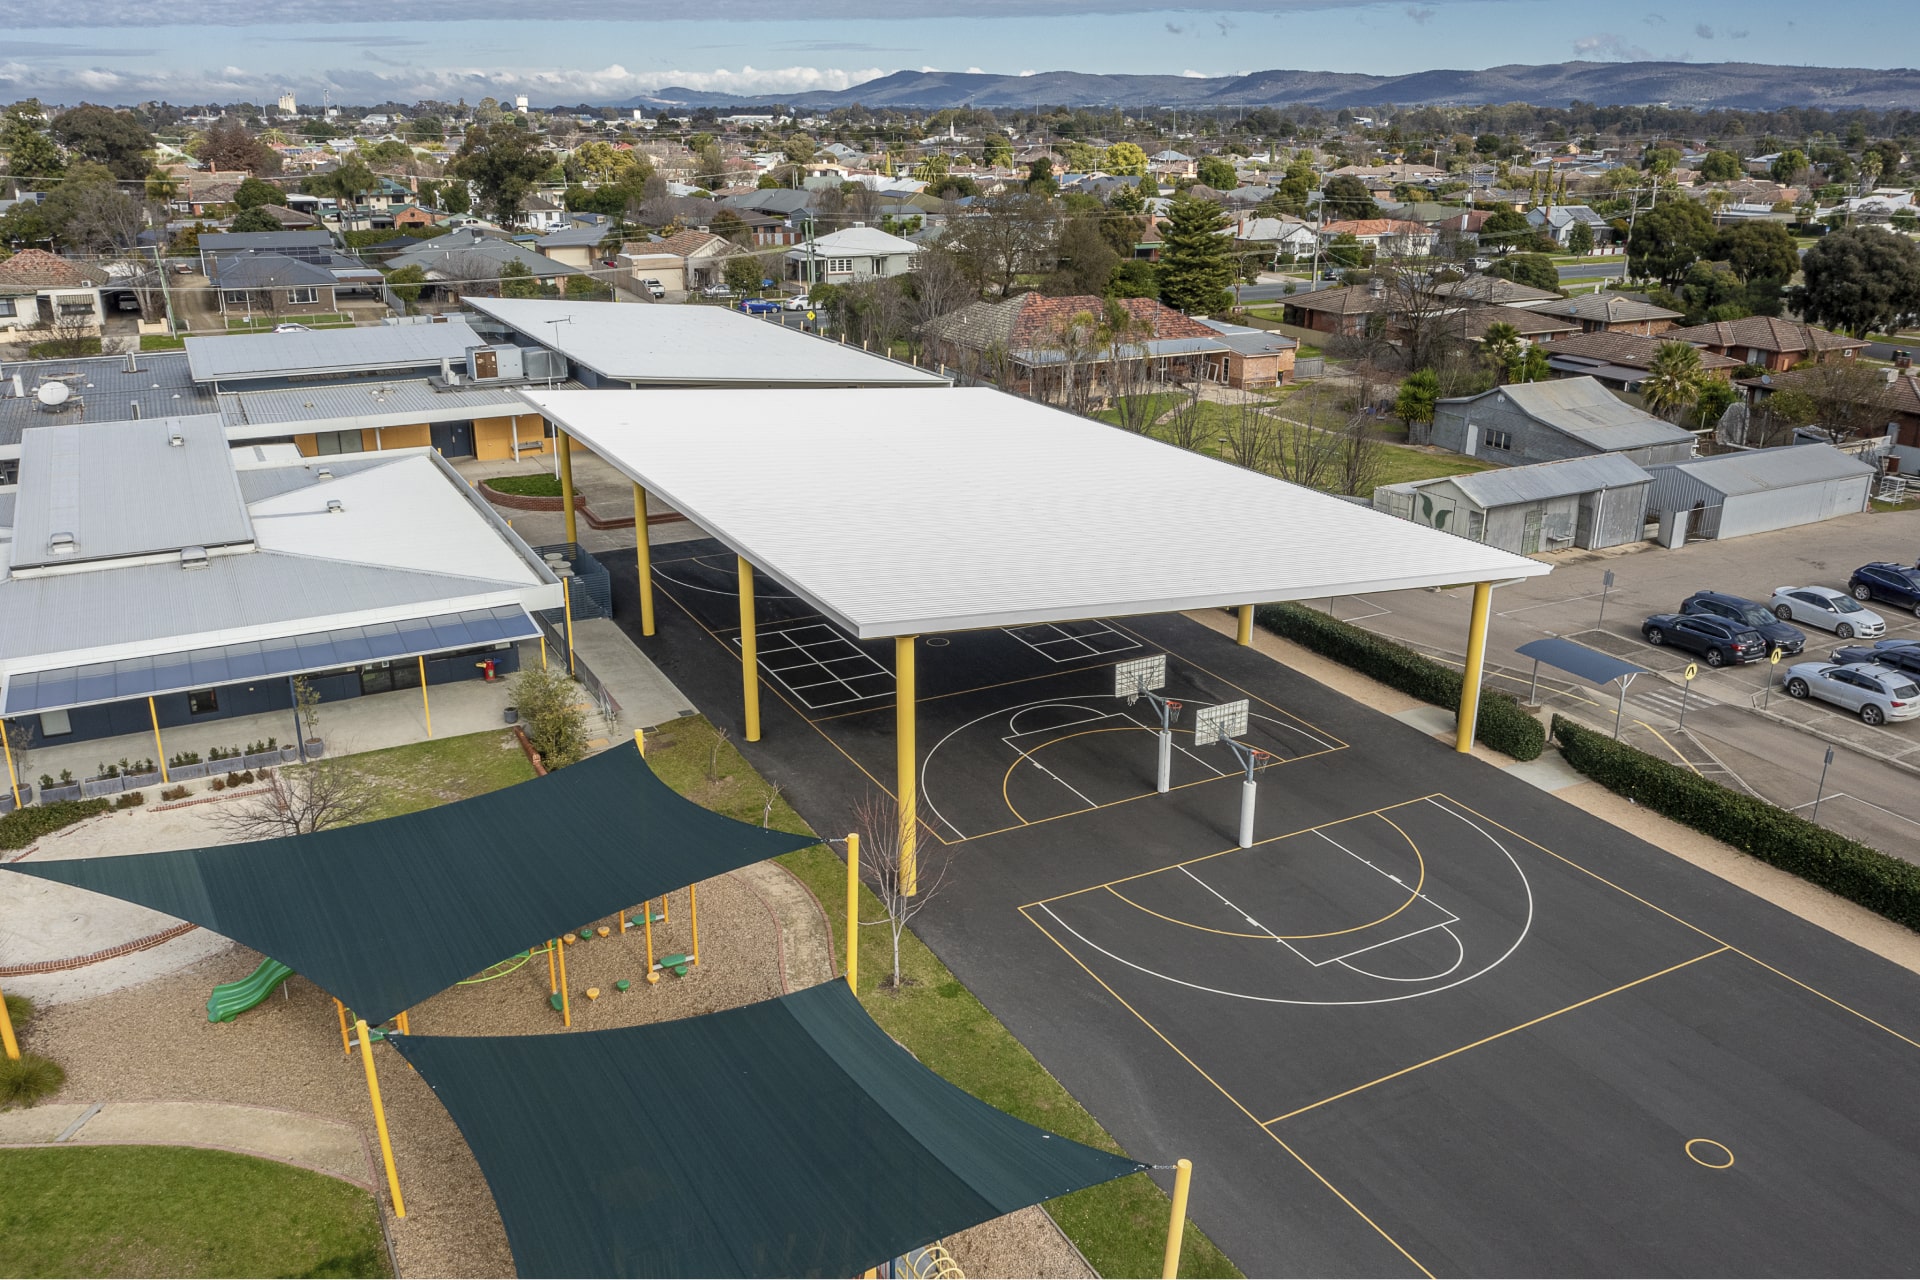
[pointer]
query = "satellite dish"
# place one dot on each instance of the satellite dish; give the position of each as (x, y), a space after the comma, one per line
(53, 393)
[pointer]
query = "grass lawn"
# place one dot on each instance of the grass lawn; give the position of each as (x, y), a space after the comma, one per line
(1120, 1227)
(421, 775)
(160, 342)
(541, 484)
(260, 324)
(179, 1211)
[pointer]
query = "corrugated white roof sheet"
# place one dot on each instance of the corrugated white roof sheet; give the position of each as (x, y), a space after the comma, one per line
(1763, 470)
(231, 357)
(691, 346)
(364, 402)
(899, 513)
(1538, 481)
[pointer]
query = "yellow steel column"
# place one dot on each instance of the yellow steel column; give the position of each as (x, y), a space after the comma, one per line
(566, 483)
(10, 1045)
(749, 653)
(693, 909)
(380, 1117)
(346, 1043)
(567, 600)
(853, 912)
(906, 762)
(566, 998)
(643, 547)
(158, 745)
(1177, 1228)
(425, 708)
(1243, 634)
(13, 779)
(1476, 660)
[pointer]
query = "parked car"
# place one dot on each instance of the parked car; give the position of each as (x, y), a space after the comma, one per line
(1718, 640)
(655, 288)
(1877, 694)
(759, 306)
(1901, 655)
(716, 291)
(291, 328)
(1883, 580)
(1827, 609)
(1778, 635)
(799, 303)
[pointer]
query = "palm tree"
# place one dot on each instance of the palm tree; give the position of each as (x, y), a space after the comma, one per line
(1501, 344)
(1673, 379)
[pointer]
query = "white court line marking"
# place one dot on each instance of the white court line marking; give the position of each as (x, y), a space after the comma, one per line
(1013, 721)
(1846, 795)
(779, 641)
(729, 570)
(1061, 637)
(1546, 604)
(1501, 959)
(1379, 610)
(1459, 958)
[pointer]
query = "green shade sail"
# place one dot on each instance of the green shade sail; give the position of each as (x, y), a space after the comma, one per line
(787, 1138)
(386, 914)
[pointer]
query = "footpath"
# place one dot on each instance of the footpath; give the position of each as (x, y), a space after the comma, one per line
(291, 1137)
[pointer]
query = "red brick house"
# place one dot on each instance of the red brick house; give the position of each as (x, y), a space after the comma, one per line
(1771, 342)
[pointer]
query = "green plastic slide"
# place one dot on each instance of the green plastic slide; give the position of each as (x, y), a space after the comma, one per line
(231, 999)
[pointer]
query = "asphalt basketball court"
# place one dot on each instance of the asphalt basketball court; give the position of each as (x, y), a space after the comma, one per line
(1432, 1022)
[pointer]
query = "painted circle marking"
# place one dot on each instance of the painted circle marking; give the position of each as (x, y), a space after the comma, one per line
(937, 642)
(1706, 1153)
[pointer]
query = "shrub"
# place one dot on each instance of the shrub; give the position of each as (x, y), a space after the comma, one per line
(233, 779)
(19, 1011)
(23, 826)
(1502, 723)
(1874, 880)
(549, 703)
(176, 793)
(130, 800)
(27, 1079)
(541, 484)
(219, 784)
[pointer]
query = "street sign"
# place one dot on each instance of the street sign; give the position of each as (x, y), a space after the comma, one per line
(1773, 659)
(1693, 669)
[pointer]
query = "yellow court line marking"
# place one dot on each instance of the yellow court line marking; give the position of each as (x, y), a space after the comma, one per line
(1026, 755)
(1300, 720)
(1320, 1177)
(1420, 884)
(1579, 1004)
(1710, 1143)
(1824, 996)
(1206, 857)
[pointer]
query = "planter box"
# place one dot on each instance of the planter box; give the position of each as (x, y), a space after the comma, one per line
(289, 755)
(135, 781)
(261, 759)
(102, 787)
(187, 772)
(316, 747)
(66, 791)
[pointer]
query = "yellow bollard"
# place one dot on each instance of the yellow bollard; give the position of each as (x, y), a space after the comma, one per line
(693, 906)
(346, 1044)
(1469, 715)
(1243, 631)
(425, 709)
(1177, 1228)
(7, 1041)
(566, 1005)
(380, 1117)
(853, 912)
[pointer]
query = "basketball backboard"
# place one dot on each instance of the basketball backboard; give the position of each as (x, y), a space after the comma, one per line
(1136, 676)
(1213, 724)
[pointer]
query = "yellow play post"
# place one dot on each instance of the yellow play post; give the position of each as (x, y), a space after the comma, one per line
(640, 741)
(566, 485)
(906, 758)
(646, 919)
(567, 600)
(566, 1001)
(1177, 1228)
(379, 1116)
(853, 912)
(158, 745)
(7, 1040)
(543, 651)
(425, 708)
(643, 548)
(693, 907)
(1476, 662)
(553, 980)
(13, 779)
(401, 1024)
(346, 1043)
(1243, 632)
(749, 653)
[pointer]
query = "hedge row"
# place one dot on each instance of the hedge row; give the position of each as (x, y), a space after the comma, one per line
(1503, 723)
(1888, 885)
(23, 826)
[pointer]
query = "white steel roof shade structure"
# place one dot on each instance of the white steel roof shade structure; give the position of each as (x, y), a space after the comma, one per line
(905, 513)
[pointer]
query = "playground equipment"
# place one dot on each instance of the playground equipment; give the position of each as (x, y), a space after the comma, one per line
(231, 999)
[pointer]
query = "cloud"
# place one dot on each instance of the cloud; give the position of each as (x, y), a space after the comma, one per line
(1738, 35)
(1655, 19)
(1702, 30)
(50, 49)
(1420, 15)
(1175, 29)
(371, 37)
(1606, 45)
(1224, 25)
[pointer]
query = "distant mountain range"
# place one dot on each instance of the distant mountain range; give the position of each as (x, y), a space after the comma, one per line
(1746, 85)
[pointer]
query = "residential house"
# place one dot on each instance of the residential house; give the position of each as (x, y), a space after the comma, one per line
(202, 193)
(1547, 421)
(1390, 236)
(1559, 221)
(289, 219)
(1340, 312)
(1771, 342)
(845, 257)
(272, 284)
(1286, 237)
(1611, 313)
(1253, 357)
(467, 262)
(1472, 322)
(577, 246)
(1496, 291)
(1621, 361)
(38, 288)
(539, 213)
(1898, 398)
(310, 246)
(683, 262)
(1592, 502)
(413, 215)
(1170, 164)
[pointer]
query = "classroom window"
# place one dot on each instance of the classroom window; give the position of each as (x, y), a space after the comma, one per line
(203, 702)
(325, 442)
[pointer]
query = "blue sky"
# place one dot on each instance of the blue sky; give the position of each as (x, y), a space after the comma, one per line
(225, 50)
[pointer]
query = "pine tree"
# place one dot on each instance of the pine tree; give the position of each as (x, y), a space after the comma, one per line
(1197, 264)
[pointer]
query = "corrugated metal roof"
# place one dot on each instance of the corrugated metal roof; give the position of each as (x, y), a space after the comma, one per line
(1761, 470)
(683, 346)
(103, 390)
(123, 489)
(962, 509)
(1542, 480)
(252, 415)
(236, 357)
(1587, 411)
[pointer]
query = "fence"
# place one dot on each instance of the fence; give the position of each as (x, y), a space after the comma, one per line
(553, 623)
(590, 590)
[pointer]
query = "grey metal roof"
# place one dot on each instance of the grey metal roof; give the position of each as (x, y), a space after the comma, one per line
(237, 357)
(124, 489)
(1539, 481)
(267, 271)
(572, 237)
(364, 402)
(1765, 470)
(1587, 411)
(1248, 341)
(160, 385)
(445, 252)
(230, 241)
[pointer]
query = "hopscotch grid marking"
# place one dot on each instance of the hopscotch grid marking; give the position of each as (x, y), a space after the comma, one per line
(806, 640)
(1064, 639)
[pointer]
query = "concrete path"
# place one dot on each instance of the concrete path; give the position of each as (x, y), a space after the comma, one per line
(291, 1137)
(646, 697)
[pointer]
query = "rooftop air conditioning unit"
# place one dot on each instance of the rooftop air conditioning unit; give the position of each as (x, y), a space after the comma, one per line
(335, 506)
(62, 544)
(486, 364)
(176, 440)
(193, 557)
(326, 473)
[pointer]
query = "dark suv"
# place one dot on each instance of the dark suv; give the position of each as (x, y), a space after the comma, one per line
(1717, 640)
(1893, 583)
(1783, 636)
(1900, 655)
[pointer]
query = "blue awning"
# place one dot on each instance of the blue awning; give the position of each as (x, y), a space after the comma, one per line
(1577, 659)
(177, 672)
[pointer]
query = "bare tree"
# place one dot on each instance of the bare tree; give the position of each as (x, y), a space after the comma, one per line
(1186, 422)
(64, 335)
(1003, 238)
(889, 872)
(1077, 338)
(939, 288)
(1252, 436)
(1361, 457)
(1306, 455)
(300, 800)
(1846, 398)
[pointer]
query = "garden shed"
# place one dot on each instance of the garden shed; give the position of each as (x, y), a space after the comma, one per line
(1755, 490)
(1593, 502)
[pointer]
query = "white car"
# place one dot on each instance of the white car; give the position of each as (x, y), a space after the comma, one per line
(801, 303)
(1827, 609)
(1876, 694)
(291, 328)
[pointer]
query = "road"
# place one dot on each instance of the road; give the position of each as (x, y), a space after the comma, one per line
(1598, 270)
(1736, 728)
